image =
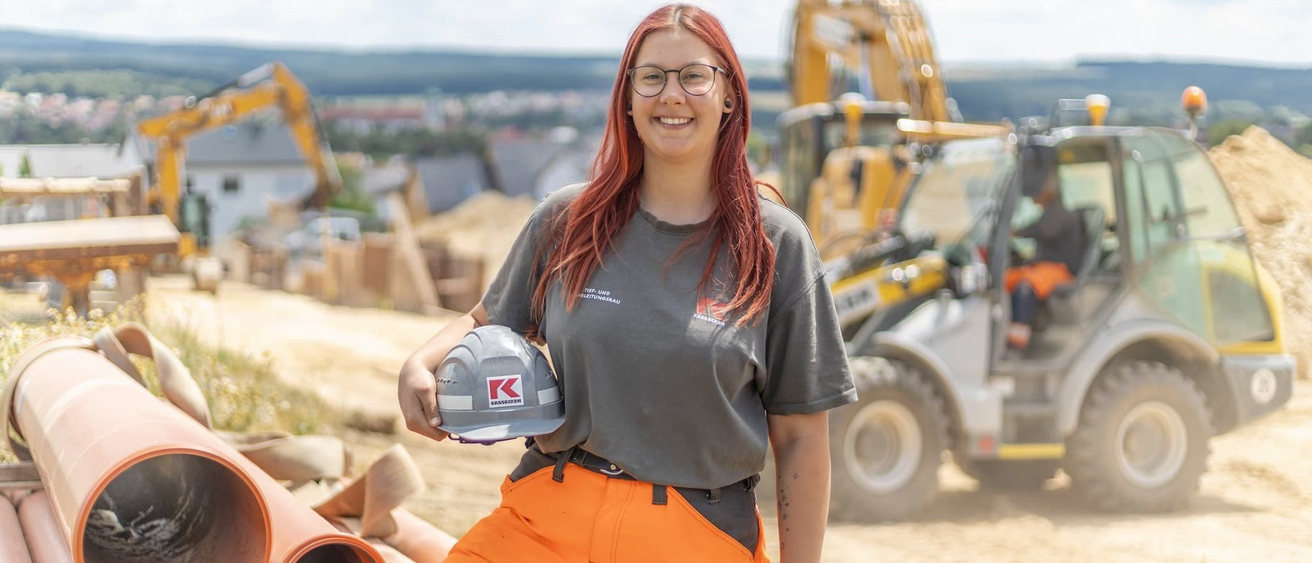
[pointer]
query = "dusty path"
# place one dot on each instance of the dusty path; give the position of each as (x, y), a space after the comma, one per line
(1254, 504)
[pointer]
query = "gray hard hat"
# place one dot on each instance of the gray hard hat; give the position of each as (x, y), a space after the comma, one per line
(494, 385)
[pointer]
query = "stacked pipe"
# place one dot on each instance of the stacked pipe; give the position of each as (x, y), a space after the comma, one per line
(132, 479)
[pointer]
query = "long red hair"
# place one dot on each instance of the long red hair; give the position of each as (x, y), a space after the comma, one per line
(611, 198)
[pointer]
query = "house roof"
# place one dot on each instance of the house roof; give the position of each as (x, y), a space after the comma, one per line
(518, 163)
(382, 179)
(69, 161)
(449, 180)
(247, 142)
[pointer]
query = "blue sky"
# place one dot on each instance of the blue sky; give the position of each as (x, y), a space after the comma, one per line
(1266, 31)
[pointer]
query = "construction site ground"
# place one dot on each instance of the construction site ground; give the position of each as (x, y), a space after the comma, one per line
(1254, 503)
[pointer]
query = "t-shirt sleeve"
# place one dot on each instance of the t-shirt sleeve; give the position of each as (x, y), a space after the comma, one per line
(807, 370)
(509, 298)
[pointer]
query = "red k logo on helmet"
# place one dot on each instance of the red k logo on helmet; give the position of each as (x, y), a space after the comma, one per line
(505, 391)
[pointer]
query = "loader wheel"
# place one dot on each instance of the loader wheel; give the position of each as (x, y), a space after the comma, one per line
(887, 447)
(1142, 442)
(998, 475)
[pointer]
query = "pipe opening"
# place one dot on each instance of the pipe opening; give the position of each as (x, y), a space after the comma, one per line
(335, 553)
(177, 508)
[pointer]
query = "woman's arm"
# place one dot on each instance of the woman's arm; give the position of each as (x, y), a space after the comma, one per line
(801, 458)
(416, 388)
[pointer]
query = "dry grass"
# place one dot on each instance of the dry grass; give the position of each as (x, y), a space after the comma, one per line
(241, 390)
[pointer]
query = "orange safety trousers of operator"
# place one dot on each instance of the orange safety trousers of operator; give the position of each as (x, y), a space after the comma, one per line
(591, 518)
(1043, 277)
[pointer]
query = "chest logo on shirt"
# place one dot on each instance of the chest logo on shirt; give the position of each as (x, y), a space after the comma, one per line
(711, 311)
(505, 391)
(599, 295)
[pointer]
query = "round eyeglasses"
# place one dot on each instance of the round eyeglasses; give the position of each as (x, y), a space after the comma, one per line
(696, 79)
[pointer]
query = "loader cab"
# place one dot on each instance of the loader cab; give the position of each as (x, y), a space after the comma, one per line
(1157, 222)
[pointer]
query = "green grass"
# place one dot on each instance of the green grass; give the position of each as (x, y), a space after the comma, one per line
(242, 391)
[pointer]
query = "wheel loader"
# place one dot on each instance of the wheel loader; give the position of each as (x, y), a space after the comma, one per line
(1168, 335)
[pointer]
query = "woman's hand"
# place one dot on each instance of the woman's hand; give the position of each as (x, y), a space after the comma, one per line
(417, 392)
(416, 387)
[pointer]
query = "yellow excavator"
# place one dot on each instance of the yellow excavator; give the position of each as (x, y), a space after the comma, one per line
(847, 159)
(271, 85)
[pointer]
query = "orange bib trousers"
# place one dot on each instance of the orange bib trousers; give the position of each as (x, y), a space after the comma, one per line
(588, 517)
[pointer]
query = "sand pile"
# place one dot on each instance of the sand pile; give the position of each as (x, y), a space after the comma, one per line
(482, 226)
(1272, 188)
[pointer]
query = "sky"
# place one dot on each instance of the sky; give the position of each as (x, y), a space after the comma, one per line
(1271, 32)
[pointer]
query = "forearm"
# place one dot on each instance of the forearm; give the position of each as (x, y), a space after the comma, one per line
(431, 353)
(802, 485)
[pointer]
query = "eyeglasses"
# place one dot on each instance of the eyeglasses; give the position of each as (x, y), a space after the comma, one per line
(696, 79)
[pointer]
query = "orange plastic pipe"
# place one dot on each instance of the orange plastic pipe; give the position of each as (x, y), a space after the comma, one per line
(129, 477)
(13, 548)
(418, 539)
(300, 535)
(45, 541)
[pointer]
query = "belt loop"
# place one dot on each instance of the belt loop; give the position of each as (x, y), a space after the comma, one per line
(713, 496)
(659, 495)
(751, 482)
(558, 474)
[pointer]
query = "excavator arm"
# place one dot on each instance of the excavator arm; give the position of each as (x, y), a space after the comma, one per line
(267, 86)
(887, 42)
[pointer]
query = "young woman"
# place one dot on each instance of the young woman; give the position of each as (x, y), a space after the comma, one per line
(689, 323)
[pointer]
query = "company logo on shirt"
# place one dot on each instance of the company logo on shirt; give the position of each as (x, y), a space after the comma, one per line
(711, 310)
(505, 391)
(599, 295)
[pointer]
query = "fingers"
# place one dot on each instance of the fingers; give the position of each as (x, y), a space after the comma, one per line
(417, 421)
(418, 397)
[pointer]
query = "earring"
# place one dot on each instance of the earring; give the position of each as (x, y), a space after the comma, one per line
(728, 104)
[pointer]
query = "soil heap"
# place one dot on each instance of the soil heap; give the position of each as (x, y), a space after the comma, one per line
(1271, 186)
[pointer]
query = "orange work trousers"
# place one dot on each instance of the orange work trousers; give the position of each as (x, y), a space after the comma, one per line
(1043, 277)
(591, 518)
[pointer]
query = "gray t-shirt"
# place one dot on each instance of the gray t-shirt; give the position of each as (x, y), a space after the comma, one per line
(664, 386)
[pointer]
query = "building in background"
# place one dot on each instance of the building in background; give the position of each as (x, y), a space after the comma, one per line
(449, 180)
(100, 161)
(240, 169)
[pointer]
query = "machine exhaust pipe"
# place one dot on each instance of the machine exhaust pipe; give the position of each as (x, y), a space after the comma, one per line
(129, 478)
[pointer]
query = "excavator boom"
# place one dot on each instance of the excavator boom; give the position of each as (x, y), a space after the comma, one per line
(267, 86)
(887, 42)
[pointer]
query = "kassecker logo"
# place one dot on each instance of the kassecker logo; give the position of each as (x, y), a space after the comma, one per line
(505, 391)
(711, 311)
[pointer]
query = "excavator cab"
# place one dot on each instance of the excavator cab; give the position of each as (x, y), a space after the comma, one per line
(1167, 335)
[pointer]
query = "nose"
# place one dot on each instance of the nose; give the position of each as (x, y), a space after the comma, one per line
(672, 88)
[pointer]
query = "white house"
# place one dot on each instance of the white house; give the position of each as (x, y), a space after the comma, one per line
(240, 169)
(101, 161)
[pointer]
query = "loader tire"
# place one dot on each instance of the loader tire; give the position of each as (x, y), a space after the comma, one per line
(887, 447)
(1142, 441)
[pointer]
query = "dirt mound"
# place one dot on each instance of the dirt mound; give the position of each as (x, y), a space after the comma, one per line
(483, 226)
(1272, 188)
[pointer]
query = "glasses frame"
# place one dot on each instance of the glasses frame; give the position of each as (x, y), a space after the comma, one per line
(665, 75)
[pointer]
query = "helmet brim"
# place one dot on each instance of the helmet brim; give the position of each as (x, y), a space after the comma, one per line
(505, 431)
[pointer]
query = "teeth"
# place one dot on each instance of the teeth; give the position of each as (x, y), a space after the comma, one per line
(673, 121)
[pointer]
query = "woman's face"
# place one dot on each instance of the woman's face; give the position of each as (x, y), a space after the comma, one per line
(673, 124)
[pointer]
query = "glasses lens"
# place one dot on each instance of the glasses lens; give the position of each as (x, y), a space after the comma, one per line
(648, 80)
(697, 79)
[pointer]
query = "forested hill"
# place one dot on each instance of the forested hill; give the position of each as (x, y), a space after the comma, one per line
(37, 62)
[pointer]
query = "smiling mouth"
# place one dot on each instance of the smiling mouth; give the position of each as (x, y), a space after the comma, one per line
(674, 120)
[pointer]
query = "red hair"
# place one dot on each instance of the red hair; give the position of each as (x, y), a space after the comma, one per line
(611, 198)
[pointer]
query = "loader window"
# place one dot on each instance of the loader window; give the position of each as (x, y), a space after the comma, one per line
(1188, 255)
(956, 189)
